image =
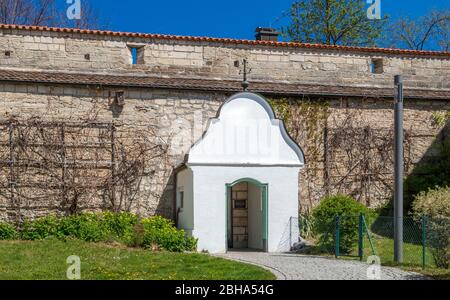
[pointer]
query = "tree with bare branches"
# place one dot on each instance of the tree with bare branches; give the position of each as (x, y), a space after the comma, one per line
(430, 31)
(45, 13)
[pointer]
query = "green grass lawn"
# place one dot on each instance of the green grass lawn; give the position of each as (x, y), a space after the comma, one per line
(381, 234)
(384, 248)
(46, 260)
(412, 257)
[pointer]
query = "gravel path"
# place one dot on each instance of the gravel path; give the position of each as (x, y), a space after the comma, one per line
(293, 266)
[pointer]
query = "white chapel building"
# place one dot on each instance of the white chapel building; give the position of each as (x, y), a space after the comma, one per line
(238, 187)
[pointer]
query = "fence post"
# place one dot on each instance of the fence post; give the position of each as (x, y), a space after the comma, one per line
(337, 236)
(424, 240)
(360, 236)
(290, 233)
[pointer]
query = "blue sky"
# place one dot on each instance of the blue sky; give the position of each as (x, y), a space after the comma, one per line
(228, 18)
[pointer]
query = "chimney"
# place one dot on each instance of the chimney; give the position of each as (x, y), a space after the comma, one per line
(266, 34)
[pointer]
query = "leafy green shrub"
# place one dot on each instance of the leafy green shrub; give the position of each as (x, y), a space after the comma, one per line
(160, 231)
(88, 227)
(138, 235)
(7, 231)
(121, 226)
(324, 221)
(40, 228)
(306, 224)
(438, 238)
(436, 205)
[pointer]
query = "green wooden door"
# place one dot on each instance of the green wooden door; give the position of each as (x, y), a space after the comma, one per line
(265, 221)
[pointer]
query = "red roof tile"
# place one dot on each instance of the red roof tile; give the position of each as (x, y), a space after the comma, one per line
(230, 41)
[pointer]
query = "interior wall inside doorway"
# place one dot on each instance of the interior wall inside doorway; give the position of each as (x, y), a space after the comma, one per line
(246, 214)
(239, 215)
(255, 217)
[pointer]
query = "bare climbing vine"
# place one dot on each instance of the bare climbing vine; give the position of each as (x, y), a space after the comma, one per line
(63, 166)
(360, 158)
(345, 153)
(305, 121)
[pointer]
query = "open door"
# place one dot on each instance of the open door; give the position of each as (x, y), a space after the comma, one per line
(247, 215)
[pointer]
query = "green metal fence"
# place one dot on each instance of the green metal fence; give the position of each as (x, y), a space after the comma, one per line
(426, 241)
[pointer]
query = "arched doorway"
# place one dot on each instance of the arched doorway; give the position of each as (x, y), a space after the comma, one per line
(247, 215)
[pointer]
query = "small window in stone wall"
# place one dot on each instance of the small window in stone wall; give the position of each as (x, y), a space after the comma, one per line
(376, 66)
(137, 54)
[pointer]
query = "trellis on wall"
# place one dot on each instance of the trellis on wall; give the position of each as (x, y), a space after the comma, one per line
(345, 153)
(66, 167)
(43, 163)
(359, 160)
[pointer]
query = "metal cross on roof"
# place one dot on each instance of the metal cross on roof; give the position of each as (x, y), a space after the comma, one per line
(245, 71)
